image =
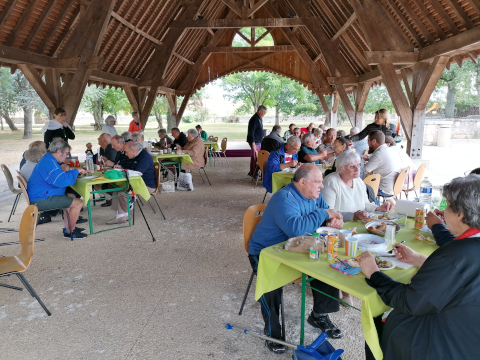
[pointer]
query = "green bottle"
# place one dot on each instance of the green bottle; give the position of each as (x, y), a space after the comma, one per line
(443, 204)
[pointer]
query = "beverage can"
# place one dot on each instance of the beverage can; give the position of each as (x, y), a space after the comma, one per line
(72, 164)
(332, 246)
(419, 218)
(77, 163)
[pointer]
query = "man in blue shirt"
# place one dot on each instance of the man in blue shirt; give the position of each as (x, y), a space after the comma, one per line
(276, 160)
(296, 209)
(142, 162)
(48, 182)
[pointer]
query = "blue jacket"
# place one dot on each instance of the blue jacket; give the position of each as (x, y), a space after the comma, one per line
(288, 214)
(273, 165)
(144, 164)
(255, 130)
(48, 179)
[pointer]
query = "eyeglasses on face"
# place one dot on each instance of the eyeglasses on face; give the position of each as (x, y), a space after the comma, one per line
(353, 166)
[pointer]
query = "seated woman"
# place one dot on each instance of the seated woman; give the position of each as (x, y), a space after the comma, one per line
(32, 157)
(344, 191)
(340, 145)
(307, 153)
(436, 316)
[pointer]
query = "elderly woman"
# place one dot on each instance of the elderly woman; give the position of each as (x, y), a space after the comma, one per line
(195, 148)
(307, 153)
(340, 145)
(32, 156)
(381, 123)
(436, 316)
(344, 190)
(109, 127)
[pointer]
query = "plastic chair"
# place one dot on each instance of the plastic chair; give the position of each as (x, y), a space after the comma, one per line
(398, 185)
(417, 180)
(262, 157)
(16, 265)
(374, 181)
(11, 187)
(23, 187)
(205, 158)
(250, 222)
(223, 149)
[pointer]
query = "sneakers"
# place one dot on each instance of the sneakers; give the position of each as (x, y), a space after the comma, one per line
(76, 234)
(43, 218)
(82, 230)
(275, 347)
(325, 324)
(81, 220)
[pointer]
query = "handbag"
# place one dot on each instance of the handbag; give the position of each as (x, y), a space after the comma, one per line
(167, 187)
(185, 182)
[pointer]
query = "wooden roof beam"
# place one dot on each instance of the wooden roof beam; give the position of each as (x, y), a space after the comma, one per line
(256, 7)
(135, 29)
(233, 6)
(22, 20)
(54, 27)
(345, 26)
(7, 10)
(232, 49)
(393, 57)
(37, 83)
(452, 46)
(342, 80)
(347, 105)
(39, 24)
(242, 36)
(16, 56)
(184, 59)
(263, 35)
(235, 23)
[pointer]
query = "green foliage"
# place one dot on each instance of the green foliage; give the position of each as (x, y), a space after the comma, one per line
(188, 119)
(238, 41)
(7, 91)
(378, 98)
(115, 101)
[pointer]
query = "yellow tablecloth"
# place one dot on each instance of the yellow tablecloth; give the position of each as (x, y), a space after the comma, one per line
(277, 269)
(212, 144)
(183, 158)
(84, 186)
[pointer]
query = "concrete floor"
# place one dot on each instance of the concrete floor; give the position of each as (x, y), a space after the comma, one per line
(118, 295)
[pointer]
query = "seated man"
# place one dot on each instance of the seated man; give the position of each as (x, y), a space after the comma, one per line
(127, 135)
(285, 157)
(195, 148)
(48, 182)
(327, 144)
(273, 141)
(141, 161)
(32, 157)
(307, 153)
(360, 146)
(297, 132)
(164, 142)
(107, 152)
(203, 133)
(180, 138)
(383, 161)
(296, 209)
(118, 144)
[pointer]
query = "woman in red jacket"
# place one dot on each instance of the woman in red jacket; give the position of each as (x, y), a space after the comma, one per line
(135, 125)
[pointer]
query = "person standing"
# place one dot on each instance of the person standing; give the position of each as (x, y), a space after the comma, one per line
(109, 127)
(135, 125)
(381, 123)
(255, 136)
(57, 128)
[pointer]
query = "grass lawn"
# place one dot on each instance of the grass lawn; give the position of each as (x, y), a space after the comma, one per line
(12, 145)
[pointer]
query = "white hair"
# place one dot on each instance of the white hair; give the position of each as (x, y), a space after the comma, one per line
(355, 130)
(294, 140)
(134, 145)
(137, 135)
(110, 118)
(346, 158)
(192, 132)
(307, 137)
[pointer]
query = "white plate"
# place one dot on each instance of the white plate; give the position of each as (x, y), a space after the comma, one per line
(389, 268)
(323, 229)
(370, 242)
(378, 223)
(155, 153)
(89, 177)
(376, 214)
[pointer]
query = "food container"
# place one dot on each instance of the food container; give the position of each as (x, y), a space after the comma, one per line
(332, 246)
(419, 218)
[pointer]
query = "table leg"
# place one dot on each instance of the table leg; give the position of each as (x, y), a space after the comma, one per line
(90, 217)
(128, 209)
(302, 315)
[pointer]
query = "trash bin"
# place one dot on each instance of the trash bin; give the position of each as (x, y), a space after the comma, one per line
(443, 136)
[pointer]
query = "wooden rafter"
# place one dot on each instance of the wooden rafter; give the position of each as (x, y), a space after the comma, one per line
(242, 36)
(7, 10)
(263, 35)
(234, 23)
(37, 83)
(54, 27)
(347, 105)
(17, 56)
(256, 7)
(39, 24)
(233, 6)
(21, 22)
(135, 29)
(231, 49)
(345, 26)
(394, 57)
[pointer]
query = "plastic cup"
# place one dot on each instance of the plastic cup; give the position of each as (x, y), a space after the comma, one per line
(343, 235)
(351, 244)
(170, 150)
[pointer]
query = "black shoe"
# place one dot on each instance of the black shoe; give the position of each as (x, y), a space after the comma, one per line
(325, 324)
(275, 347)
(82, 230)
(76, 234)
(107, 203)
(81, 220)
(43, 219)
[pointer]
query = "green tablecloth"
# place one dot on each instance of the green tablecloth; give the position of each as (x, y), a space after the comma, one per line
(212, 144)
(282, 178)
(84, 186)
(278, 268)
(183, 158)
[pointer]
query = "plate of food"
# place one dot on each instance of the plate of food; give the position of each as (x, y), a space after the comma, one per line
(384, 265)
(426, 239)
(378, 227)
(87, 176)
(369, 242)
(377, 215)
(324, 230)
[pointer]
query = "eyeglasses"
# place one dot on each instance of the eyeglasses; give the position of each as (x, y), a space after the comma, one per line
(353, 167)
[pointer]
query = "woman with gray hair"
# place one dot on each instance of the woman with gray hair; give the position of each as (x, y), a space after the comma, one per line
(195, 148)
(435, 315)
(109, 127)
(344, 190)
(32, 157)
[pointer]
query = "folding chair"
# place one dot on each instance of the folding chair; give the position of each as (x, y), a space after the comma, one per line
(417, 180)
(223, 149)
(205, 157)
(398, 186)
(13, 190)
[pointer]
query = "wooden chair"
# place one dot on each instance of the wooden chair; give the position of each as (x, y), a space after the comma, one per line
(23, 187)
(205, 158)
(13, 190)
(374, 181)
(17, 265)
(417, 180)
(262, 157)
(250, 222)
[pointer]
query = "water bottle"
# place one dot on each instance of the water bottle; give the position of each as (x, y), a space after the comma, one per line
(315, 248)
(426, 192)
(89, 162)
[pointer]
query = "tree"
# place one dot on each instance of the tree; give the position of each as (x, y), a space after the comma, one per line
(378, 98)
(7, 98)
(115, 101)
(238, 41)
(92, 101)
(160, 106)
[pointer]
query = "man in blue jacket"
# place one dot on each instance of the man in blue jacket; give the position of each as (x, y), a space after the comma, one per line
(255, 136)
(141, 161)
(277, 160)
(48, 182)
(296, 209)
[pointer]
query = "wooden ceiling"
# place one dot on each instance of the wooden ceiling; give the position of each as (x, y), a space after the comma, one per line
(318, 43)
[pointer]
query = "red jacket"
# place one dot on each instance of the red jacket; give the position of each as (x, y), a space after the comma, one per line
(134, 127)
